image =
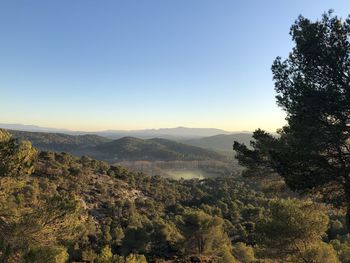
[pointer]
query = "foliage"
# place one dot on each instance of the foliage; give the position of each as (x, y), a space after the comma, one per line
(16, 159)
(50, 254)
(58, 141)
(101, 213)
(291, 228)
(204, 234)
(105, 256)
(319, 253)
(312, 86)
(243, 253)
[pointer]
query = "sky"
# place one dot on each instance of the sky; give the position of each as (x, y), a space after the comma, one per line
(96, 65)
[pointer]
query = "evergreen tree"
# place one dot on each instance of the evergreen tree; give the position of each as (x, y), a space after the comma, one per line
(293, 232)
(313, 88)
(204, 235)
(16, 158)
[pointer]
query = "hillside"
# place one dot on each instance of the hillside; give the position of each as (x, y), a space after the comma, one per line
(221, 142)
(130, 148)
(59, 142)
(59, 208)
(126, 148)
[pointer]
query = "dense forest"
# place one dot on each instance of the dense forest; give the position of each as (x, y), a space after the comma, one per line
(290, 204)
(60, 207)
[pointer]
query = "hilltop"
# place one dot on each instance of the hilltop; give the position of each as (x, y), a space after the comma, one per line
(59, 142)
(126, 148)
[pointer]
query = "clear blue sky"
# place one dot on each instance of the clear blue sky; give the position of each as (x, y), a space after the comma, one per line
(94, 65)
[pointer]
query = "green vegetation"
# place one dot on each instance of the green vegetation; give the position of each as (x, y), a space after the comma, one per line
(312, 84)
(130, 148)
(126, 148)
(64, 208)
(55, 207)
(59, 142)
(312, 152)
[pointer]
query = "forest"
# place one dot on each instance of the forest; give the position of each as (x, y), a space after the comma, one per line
(291, 202)
(64, 208)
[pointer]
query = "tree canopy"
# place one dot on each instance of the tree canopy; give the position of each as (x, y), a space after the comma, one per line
(313, 88)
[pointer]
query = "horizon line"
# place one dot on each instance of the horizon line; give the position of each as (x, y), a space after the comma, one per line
(120, 130)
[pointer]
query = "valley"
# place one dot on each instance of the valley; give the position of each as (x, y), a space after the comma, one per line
(156, 156)
(174, 131)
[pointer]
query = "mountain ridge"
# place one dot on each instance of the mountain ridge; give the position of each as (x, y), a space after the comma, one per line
(177, 133)
(126, 148)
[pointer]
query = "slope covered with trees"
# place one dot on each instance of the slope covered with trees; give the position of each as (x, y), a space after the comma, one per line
(79, 209)
(55, 207)
(131, 148)
(59, 142)
(126, 148)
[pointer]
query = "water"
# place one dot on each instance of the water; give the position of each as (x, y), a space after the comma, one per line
(189, 174)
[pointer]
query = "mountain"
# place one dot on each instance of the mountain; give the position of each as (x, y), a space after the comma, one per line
(166, 133)
(59, 142)
(126, 148)
(221, 142)
(32, 128)
(179, 133)
(131, 148)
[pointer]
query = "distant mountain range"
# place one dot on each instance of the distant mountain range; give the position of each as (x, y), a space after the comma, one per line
(32, 128)
(126, 148)
(184, 143)
(167, 133)
(179, 133)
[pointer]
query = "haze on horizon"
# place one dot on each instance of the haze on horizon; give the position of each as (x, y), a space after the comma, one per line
(125, 65)
(32, 127)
